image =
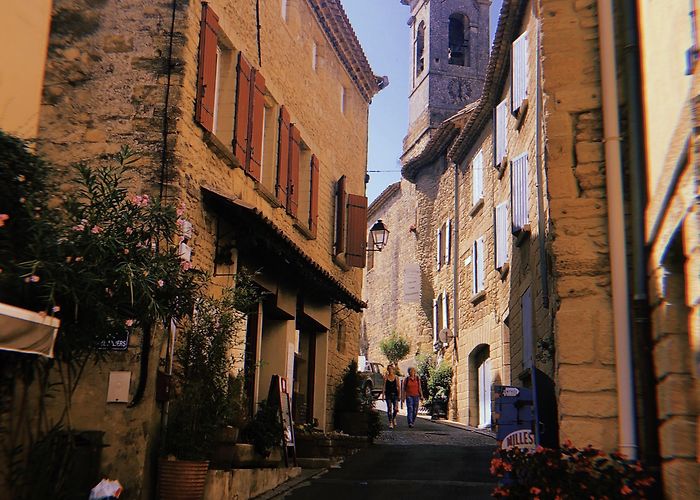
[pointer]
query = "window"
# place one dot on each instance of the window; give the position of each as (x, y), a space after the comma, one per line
(478, 178)
(448, 240)
(441, 317)
(270, 142)
(443, 244)
(250, 113)
(439, 245)
(519, 76)
(283, 157)
(420, 48)
(340, 208)
(501, 228)
(519, 195)
(304, 183)
(478, 276)
(501, 132)
(293, 185)
(458, 34)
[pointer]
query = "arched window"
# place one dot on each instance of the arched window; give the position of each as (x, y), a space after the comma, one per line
(420, 48)
(458, 50)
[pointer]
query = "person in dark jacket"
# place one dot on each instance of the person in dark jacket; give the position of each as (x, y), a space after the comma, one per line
(391, 395)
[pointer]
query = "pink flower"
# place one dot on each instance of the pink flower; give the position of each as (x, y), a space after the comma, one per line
(129, 322)
(108, 291)
(126, 251)
(55, 309)
(185, 265)
(181, 209)
(34, 278)
(22, 199)
(568, 444)
(539, 449)
(79, 228)
(129, 230)
(78, 259)
(161, 283)
(535, 490)
(3, 218)
(96, 229)
(69, 259)
(140, 200)
(626, 490)
(21, 178)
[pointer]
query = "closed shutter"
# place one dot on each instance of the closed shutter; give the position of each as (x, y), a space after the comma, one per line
(501, 228)
(445, 311)
(206, 78)
(356, 250)
(448, 241)
(520, 71)
(501, 131)
(340, 207)
(477, 177)
(435, 321)
(254, 167)
(283, 158)
(519, 194)
(313, 202)
(240, 128)
(526, 305)
(478, 266)
(438, 246)
(293, 179)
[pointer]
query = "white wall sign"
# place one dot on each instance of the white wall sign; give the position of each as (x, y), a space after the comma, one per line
(412, 284)
(523, 439)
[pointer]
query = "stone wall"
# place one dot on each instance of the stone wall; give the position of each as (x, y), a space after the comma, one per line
(584, 345)
(384, 290)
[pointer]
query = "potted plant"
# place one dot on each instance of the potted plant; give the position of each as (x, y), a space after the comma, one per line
(353, 413)
(439, 383)
(208, 399)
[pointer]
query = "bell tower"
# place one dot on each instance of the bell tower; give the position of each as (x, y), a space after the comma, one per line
(449, 55)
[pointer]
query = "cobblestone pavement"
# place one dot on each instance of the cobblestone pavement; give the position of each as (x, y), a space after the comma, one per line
(429, 461)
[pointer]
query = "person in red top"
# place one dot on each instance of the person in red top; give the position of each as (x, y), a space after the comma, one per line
(413, 394)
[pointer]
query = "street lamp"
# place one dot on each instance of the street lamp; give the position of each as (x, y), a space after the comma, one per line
(380, 235)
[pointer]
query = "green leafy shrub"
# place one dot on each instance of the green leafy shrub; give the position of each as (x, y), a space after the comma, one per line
(265, 431)
(395, 348)
(569, 473)
(348, 396)
(439, 382)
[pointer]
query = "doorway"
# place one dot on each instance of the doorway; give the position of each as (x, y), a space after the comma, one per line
(303, 387)
(484, 383)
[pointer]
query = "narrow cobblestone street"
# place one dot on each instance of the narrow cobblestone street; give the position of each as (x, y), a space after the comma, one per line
(431, 460)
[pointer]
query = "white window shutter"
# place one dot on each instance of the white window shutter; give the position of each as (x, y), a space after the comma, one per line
(501, 131)
(435, 321)
(474, 268)
(480, 264)
(448, 241)
(519, 193)
(520, 71)
(445, 311)
(477, 177)
(438, 246)
(501, 228)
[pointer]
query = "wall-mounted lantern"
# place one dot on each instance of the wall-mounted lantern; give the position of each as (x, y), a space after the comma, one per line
(380, 235)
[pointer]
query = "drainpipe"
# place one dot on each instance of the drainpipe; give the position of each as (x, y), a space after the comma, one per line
(616, 233)
(455, 265)
(638, 199)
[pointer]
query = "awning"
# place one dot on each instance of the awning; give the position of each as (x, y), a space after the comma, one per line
(263, 237)
(22, 330)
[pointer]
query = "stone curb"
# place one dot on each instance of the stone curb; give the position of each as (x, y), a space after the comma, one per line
(458, 425)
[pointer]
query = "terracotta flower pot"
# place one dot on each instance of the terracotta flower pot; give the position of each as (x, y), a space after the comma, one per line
(181, 479)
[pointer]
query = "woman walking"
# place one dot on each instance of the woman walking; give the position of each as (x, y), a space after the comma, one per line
(391, 395)
(413, 394)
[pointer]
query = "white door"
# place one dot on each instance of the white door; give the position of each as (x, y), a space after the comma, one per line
(484, 378)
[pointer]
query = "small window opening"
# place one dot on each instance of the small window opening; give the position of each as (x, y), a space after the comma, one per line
(458, 49)
(420, 48)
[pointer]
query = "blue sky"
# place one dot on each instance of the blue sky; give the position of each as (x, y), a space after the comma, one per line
(381, 27)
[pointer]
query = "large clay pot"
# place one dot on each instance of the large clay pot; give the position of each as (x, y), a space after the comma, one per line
(181, 479)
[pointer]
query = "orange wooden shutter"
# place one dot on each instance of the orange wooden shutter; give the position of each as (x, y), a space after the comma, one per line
(340, 208)
(356, 250)
(293, 180)
(258, 122)
(206, 78)
(313, 201)
(240, 129)
(283, 158)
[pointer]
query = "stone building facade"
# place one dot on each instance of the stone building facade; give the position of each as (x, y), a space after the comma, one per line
(394, 291)
(545, 299)
(204, 93)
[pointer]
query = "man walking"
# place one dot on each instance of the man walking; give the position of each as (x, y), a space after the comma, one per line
(413, 394)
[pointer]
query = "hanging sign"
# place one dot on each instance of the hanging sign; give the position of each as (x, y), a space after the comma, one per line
(279, 395)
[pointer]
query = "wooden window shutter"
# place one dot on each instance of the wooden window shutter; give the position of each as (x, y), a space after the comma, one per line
(283, 158)
(501, 228)
(313, 201)
(477, 177)
(480, 276)
(254, 166)
(356, 249)
(240, 128)
(438, 246)
(445, 311)
(206, 78)
(293, 175)
(501, 131)
(448, 240)
(340, 211)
